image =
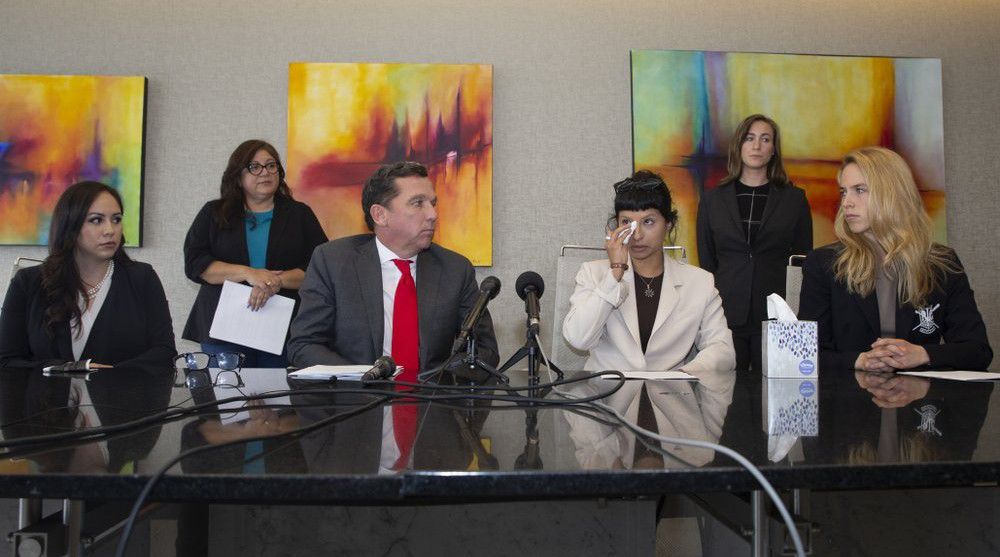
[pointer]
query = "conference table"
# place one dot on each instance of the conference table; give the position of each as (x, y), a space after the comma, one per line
(531, 444)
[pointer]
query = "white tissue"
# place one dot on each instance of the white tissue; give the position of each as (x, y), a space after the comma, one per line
(777, 308)
(779, 445)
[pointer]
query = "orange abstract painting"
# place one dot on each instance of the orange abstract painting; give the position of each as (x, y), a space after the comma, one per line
(686, 105)
(346, 119)
(56, 130)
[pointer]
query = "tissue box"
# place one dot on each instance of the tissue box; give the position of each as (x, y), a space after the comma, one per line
(791, 407)
(789, 349)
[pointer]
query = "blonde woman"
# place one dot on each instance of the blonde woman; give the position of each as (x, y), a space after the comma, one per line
(885, 296)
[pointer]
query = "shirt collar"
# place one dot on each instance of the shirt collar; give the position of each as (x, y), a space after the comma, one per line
(386, 255)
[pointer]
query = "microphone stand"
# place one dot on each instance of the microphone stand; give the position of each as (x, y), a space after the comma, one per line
(529, 459)
(472, 440)
(474, 369)
(530, 350)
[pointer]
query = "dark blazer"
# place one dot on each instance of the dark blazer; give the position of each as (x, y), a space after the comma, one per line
(341, 317)
(294, 233)
(746, 275)
(849, 323)
(133, 326)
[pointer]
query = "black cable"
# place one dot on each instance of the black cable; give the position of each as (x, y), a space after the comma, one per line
(174, 413)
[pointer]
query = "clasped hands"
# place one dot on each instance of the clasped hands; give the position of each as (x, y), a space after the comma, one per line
(889, 354)
(890, 390)
(264, 284)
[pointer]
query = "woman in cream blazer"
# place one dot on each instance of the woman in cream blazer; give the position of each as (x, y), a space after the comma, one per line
(641, 311)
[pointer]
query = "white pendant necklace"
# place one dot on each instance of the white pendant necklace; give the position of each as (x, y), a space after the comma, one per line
(93, 290)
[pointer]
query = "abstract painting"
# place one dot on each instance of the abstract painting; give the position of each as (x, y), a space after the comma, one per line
(56, 130)
(686, 105)
(346, 119)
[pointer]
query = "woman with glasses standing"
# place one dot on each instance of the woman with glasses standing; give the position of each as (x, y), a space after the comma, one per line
(255, 233)
(88, 300)
(748, 227)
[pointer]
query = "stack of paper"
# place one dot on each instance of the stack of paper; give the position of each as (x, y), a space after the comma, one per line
(325, 373)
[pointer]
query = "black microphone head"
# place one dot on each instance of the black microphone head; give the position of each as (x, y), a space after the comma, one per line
(386, 366)
(529, 279)
(490, 286)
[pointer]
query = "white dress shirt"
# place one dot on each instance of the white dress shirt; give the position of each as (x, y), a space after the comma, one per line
(390, 280)
(81, 331)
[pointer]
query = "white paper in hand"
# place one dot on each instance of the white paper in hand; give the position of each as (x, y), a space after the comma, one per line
(264, 329)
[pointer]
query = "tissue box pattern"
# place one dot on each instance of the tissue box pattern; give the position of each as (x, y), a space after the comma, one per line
(790, 348)
(792, 407)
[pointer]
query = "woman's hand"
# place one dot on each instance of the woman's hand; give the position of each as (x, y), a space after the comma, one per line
(265, 284)
(617, 250)
(899, 391)
(872, 360)
(900, 354)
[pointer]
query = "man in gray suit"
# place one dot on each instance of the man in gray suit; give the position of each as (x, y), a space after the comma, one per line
(347, 309)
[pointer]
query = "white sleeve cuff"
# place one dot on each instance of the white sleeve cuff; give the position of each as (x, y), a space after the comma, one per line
(612, 291)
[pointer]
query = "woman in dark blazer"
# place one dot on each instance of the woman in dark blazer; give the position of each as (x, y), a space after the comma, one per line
(255, 233)
(886, 297)
(88, 300)
(748, 227)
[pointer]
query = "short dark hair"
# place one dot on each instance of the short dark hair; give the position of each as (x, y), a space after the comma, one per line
(645, 190)
(380, 188)
(231, 210)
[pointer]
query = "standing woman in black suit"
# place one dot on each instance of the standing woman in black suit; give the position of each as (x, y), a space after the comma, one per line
(747, 229)
(885, 296)
(88, 300)
(255, 233)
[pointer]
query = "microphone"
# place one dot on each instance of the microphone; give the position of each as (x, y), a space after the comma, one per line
(382, 369)
(530, 287)
(488, 290)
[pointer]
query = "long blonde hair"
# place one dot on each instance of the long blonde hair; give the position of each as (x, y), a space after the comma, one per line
(900, 226)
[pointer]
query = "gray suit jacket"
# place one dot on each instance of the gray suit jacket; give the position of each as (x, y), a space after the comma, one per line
(340, 318)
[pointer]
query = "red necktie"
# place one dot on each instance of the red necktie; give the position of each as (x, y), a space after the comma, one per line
(406, 353)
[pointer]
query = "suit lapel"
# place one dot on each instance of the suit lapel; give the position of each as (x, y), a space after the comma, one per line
(774, 198)
(279, 220)
(669, 295)
(905, 315)
(428, 279)
(869, 307)
(628, 309)
(110, 301)
(64, 342)
(729, 200)
(369, 271)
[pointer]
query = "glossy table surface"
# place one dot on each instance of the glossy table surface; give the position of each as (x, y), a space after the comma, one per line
(831, 432)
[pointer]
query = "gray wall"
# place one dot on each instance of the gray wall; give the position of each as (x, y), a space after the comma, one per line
(218, 74)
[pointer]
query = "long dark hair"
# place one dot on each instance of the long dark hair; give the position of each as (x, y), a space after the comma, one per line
(775, 168)
(60, 277)
(232, 208)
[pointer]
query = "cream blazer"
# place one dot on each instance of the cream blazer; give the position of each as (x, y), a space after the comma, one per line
(690, 332)
(682, 409)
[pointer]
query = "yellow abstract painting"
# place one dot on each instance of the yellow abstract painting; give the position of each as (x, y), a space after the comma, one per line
(56, 130)
(686, 105)
(347, 119)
